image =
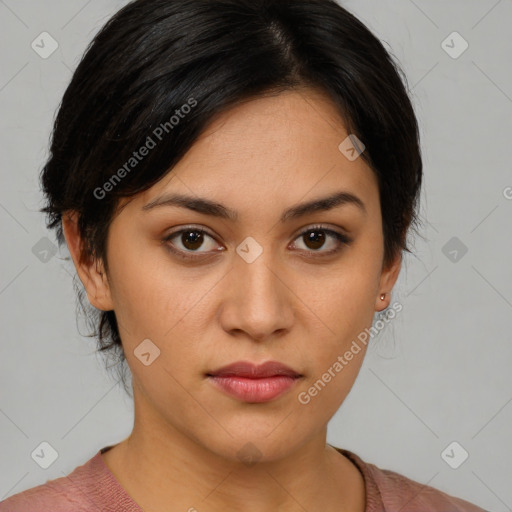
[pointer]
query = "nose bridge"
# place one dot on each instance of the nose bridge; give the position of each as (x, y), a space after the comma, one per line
(259, 302)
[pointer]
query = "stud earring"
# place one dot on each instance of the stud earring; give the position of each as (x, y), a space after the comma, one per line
(383, 296)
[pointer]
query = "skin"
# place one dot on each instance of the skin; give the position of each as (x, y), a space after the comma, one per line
(290, 305)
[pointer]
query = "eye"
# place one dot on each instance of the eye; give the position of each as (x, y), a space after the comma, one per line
(190, 239)
(316, 237)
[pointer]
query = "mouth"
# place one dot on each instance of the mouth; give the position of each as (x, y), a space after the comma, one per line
(253, 383)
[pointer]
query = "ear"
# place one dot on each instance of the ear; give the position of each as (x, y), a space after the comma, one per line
(388, 278)
(91, 271)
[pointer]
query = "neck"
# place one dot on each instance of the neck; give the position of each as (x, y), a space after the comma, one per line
(164, 469)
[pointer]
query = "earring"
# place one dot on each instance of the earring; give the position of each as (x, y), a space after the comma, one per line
(383, 296)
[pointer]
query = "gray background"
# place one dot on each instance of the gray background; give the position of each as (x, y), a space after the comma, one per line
(438, 373)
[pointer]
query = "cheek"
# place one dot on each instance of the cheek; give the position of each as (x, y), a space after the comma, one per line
(148, 298)
(342, 309)
(163, 392)
(322, 395)
(344, 300)
(156, 301)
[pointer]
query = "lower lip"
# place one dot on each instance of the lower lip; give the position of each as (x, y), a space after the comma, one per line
(254, 390)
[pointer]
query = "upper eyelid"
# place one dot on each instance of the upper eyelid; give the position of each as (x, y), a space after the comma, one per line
(301, 230)
(190, 228)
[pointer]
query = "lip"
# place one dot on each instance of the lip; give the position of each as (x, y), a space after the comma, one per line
(253, 383)
(250, 370)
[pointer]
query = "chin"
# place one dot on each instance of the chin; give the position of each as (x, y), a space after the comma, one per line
(252, 447)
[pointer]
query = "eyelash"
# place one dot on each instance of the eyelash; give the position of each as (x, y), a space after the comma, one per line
(343, 240)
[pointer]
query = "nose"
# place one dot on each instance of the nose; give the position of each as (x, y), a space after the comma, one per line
(257, 301)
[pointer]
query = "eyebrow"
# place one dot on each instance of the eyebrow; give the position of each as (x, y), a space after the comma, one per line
(214, 209)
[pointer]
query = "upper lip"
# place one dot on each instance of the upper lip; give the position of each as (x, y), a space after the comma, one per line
(254, 371)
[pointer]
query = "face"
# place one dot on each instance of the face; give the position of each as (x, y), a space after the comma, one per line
(256, 287)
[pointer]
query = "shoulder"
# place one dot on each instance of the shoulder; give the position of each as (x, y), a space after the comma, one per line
(391, 491)
(58, 495)
(398, 491)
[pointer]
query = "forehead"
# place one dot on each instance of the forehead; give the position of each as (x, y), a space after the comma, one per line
(280, 148)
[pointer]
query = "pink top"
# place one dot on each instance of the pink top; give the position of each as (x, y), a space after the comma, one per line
(93, 488)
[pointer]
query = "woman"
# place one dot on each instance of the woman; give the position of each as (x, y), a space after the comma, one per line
(235, 181)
